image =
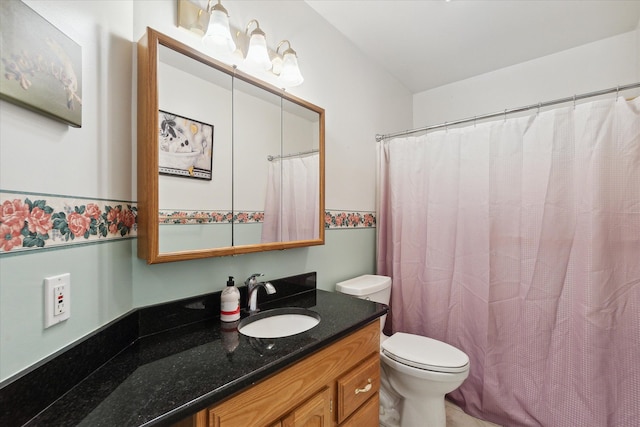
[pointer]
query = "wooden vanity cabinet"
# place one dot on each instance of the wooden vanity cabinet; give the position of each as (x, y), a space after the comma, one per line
(336, 386)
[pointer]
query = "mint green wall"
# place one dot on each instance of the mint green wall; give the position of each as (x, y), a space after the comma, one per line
(101, 290)
(346, 253)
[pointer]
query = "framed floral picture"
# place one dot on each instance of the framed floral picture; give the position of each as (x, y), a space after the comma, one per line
(185, 147)
(41, 66)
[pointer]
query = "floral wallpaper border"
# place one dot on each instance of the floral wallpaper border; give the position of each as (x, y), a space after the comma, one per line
(341, 219)
(30, 221)
(187, 217)
(333, 218)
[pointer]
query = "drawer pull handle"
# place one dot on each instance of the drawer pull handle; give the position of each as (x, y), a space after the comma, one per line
(365, 388)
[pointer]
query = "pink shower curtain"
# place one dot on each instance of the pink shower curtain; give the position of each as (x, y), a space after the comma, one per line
(292, 200)
(518, 241)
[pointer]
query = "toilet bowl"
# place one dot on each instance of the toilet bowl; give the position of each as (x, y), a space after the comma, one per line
(419, 370)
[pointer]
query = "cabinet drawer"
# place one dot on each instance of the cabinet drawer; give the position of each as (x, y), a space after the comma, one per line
(367, 416)
(357, 386)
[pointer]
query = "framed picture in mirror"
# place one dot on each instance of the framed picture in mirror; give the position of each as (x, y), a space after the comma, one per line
(185, 147)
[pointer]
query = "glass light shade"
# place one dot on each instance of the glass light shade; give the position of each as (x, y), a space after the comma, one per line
(218, 33)
(290, 74)
(258, 55)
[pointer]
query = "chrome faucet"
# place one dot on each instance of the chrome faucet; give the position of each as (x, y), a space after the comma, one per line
(252, 291)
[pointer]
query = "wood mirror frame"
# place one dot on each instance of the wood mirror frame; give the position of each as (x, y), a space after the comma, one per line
(148, 154)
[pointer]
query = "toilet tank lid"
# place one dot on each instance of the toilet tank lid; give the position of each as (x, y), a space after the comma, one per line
(364, 285)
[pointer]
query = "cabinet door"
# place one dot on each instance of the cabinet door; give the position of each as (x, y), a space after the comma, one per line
(315, 412)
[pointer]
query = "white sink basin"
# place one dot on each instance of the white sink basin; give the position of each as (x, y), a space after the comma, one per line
(279, 322)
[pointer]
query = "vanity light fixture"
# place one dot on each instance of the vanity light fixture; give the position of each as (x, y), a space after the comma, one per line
(257, 54)
(218, 33)
(227, 43)
(289, 72)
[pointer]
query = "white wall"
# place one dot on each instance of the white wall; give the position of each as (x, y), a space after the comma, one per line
(101, 148)
(600, 65)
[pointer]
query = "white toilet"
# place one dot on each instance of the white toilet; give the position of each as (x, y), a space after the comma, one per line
(418, 369)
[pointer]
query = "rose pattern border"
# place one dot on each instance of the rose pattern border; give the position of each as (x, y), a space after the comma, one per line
(186, 217)
(31, 221)
(354, 219)
(332, 219)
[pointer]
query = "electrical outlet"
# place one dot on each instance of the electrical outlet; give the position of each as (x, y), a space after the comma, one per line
(57, 299)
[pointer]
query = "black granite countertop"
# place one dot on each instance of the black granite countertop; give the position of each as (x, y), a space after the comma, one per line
(166, 376)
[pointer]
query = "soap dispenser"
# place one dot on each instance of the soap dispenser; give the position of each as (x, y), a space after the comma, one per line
(230, 302)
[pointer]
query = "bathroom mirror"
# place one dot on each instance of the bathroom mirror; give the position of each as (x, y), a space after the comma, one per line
(227, 164)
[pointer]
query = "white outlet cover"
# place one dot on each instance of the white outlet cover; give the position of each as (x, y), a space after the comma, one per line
(64, 280)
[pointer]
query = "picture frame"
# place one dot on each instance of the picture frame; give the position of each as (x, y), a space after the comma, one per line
(41, 67)
(185, 146)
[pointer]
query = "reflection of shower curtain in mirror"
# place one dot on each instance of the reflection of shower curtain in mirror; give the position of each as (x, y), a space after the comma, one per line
(292, 200)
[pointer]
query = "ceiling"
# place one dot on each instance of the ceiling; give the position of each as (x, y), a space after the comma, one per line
(429, 43)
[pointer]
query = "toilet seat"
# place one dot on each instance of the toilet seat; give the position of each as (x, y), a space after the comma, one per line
(425, 353)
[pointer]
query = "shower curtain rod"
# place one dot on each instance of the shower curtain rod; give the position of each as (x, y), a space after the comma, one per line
(539, 105)
(284, 156)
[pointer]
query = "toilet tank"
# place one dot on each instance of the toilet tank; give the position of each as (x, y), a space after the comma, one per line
(368, 286)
